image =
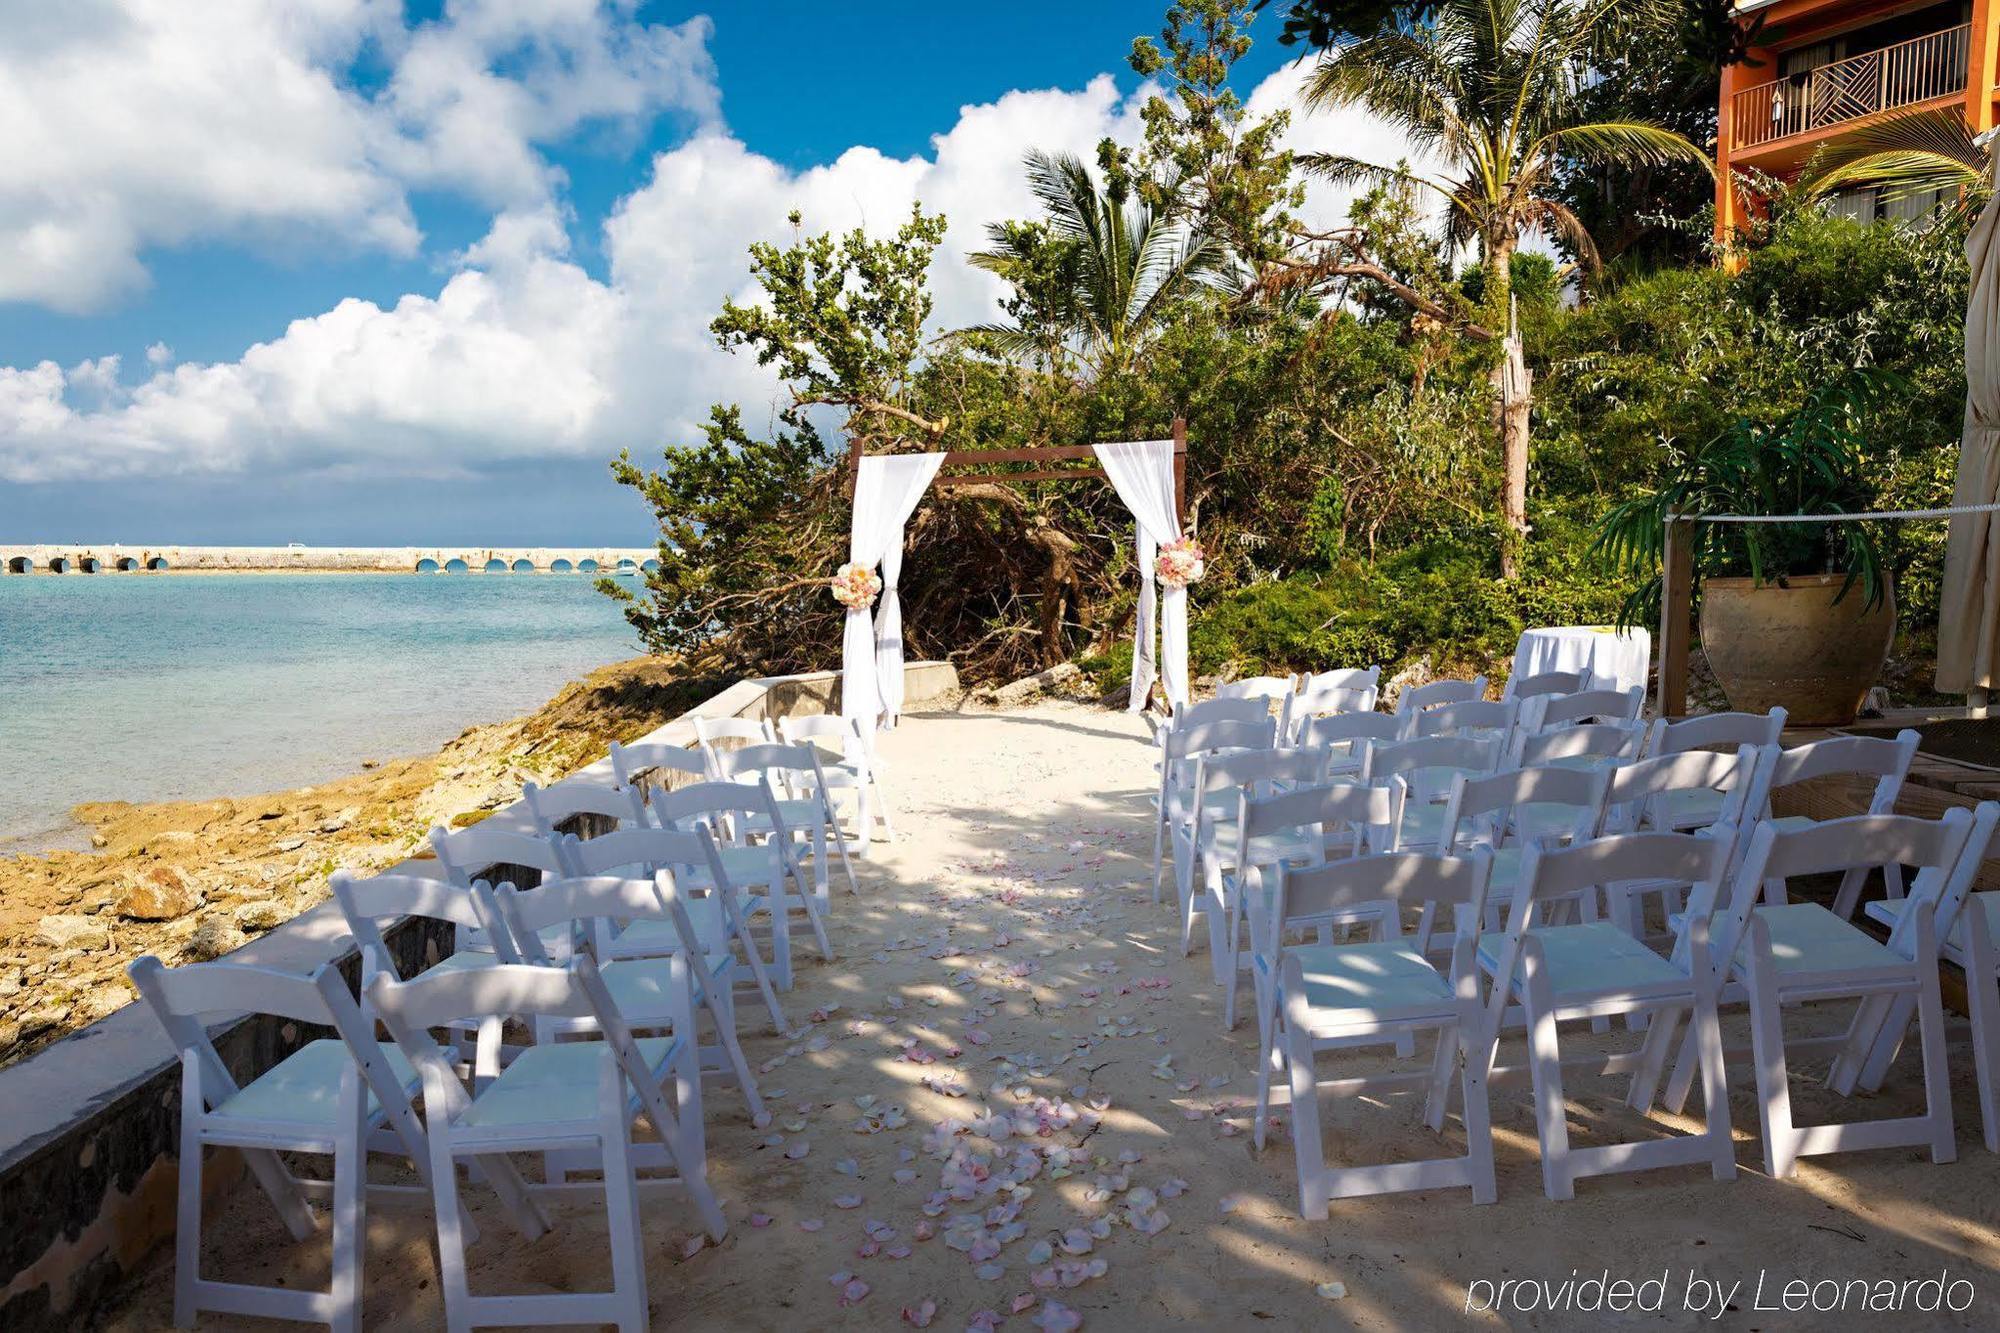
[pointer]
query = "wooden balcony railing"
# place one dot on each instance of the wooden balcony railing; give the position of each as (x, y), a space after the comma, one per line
(1918, 70)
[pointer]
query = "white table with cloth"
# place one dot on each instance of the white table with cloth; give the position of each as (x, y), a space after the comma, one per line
(1615, 659)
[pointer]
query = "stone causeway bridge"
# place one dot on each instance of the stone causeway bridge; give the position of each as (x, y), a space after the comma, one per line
(83, 558)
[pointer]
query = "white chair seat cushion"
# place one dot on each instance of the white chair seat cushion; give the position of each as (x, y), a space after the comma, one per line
(1593, 958)
(1889, 911)
(1806, 937)
(660, 936)
(642, 988)
(1545, 819)
(1422, 824)
(1382, 975)
(1268, 849)
(552, 1083)
(802, 812)
(304, 1087)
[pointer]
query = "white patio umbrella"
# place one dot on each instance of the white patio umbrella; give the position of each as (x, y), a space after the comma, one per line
(1969, 600)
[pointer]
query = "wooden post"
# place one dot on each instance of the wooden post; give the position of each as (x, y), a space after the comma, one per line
(1676, 616)
(853, 467)
(1180, 471)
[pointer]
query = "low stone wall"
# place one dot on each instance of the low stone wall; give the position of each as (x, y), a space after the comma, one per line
(88, 1150)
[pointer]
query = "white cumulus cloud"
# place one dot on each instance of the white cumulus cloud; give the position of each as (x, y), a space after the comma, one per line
(522, 352)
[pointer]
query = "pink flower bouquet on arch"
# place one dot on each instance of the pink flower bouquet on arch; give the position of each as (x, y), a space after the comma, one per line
(1181, 562)
(856, 586)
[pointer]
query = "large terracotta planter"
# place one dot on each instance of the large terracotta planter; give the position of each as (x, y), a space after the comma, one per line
(1794, 646)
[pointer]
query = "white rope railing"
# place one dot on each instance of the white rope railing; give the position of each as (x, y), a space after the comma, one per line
(1947, 512)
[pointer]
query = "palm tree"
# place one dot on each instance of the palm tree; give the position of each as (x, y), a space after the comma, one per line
(1914, 153)
(1099, 273)
(1491, 90)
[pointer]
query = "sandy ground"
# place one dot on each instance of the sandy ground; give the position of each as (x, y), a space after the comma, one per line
(1006, 946)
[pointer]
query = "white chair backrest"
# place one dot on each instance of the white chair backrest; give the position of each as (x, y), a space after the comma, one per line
(409, 1009)
(1305, 896)
(1354, 806)
(1229, 734)
(1258, 687)
(715, 803)
(630, 762)
(1888, 761)
(1700, 859)
(366, 903)
(793, 764)
(1716, 729)
(1853, 845)
(1323, 701)
(1481, 810)
(1568, 710)
(1619, 741)
(1636, 788)
(1261, 769)
(1218, 710)
(468, 852)
(1430, 764)
(753, 731)
(1546, 682)
(1470, 715)
(1419, 697)
(635, 850)
(1342, 678)
(1346, 737)
(829, 732)
(581, 903)
(552, 807)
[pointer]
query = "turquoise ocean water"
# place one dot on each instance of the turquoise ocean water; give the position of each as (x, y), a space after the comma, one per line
(160, 687)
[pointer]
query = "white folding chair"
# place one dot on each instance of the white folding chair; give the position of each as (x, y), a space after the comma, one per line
(1545, 682)
(1665, 794)
(1712, 730)
(578, 1099)
(1789, 953)
(1322, 701)
(618, 806)
(339, 1097)
(1297, 828)
(773, 864)
(711, 732)
(367, 902)
(1472, 717)
(804, 804)
(1586, 745)
(851, 765)
(1273, 688)
(1547, 712)
(1887, 761)
(1205, 711)
(1204, 840)
(719, 913)
(1596, 971)
(1417, 698)
(1346, 738)
(1508, 813)
(493, 854)
(648, 990)
(1427, 767)
(643, 763)
(1363, 680)
(1322, 996)
(1179, 748)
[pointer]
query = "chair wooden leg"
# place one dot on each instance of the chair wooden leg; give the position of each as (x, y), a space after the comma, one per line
(1478, 1116)
(1930, 1023)
(1307, 1150)
(1774, 1090)
(1707, 1027)
(1984, 997)
(1545, 1067)
(1444, 1060)
(350, 1206)
(621, 1203)
(1662, 1026)
(724, 1013)
(451, 1240)
(187, 1218)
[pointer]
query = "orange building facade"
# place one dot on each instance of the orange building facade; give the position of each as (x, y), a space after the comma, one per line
(1822, 68)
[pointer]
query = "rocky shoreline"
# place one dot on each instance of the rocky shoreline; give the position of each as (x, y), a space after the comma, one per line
(191, 880)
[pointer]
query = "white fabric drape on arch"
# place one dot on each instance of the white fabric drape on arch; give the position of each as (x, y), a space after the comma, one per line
(886, 491)
(1142, 472)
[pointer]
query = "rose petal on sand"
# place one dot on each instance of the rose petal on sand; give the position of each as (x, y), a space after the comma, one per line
(692, 1246)
(854, 1292)
(1055, 1317)
(760, 1220)
(798, 1151)
(810, 1224)
(921, 1315)
(1332, 1291)
(847, 1201)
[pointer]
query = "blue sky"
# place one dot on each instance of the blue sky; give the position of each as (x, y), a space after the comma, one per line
(682, 126)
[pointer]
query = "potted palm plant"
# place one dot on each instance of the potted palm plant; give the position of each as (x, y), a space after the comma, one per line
(1793, 614)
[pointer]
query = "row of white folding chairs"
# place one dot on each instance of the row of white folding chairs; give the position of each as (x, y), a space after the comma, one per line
(346, 1096)
(1450, 793)
(848, 763)
(758, 843)
(1733, 943)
